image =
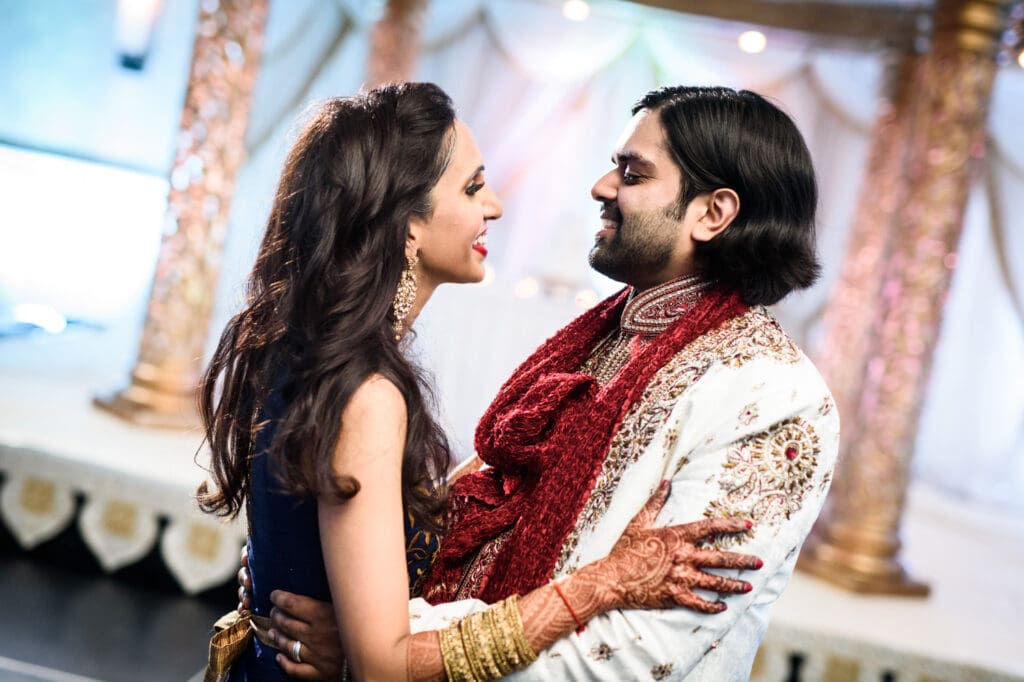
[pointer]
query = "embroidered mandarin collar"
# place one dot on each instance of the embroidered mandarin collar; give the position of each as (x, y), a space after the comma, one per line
(652, 311)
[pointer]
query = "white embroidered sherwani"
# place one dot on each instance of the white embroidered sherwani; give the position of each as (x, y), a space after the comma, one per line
(743, 425)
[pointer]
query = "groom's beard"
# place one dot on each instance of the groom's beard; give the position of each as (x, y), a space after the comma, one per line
(642, 245)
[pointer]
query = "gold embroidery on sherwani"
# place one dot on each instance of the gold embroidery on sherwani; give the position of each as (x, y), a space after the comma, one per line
(660, 672)
(610, 356)
(645, 315)
(748, 415)
(754, 334)
(766, 476)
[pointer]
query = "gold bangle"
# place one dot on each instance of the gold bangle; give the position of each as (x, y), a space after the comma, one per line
(504, 656)
(508, 625)
(480, 647)
(473, 655)
(526, 652)
(447, 653)
(486, 645)
(492, 647)
(453, 655)
(501, 634)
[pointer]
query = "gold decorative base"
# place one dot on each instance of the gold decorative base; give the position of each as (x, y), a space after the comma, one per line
(154, 398)
(859, 571)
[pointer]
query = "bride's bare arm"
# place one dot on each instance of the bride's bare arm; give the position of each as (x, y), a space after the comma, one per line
(363, 538)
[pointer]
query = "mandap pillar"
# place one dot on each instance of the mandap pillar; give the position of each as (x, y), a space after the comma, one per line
(856, 546)
(849, 316)
(395, 42)
(210, 148)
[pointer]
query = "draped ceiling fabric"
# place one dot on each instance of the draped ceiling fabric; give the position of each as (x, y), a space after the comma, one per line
(547, 99)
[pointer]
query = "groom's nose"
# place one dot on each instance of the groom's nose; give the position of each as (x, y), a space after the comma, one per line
(606, 188)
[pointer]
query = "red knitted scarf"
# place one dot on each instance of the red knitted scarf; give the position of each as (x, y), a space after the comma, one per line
(545, 437)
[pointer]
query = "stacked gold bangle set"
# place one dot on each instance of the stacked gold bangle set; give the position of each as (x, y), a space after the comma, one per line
(486, 645)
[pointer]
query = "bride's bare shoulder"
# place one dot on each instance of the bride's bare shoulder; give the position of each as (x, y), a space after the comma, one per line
(376, 398)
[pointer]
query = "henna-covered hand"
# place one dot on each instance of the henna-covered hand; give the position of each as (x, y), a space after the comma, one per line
(648, 568)
(660, 567)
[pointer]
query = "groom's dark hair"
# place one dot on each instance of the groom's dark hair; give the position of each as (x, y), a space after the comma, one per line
(721, 137)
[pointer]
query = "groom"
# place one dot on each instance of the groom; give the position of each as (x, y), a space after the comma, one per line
(707, 215)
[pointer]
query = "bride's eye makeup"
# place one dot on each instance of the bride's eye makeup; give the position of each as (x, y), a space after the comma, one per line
(476, 184)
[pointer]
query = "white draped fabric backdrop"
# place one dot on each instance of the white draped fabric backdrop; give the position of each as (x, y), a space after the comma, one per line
(547, 98)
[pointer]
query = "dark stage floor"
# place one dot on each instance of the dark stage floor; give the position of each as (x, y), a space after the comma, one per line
(68, 625)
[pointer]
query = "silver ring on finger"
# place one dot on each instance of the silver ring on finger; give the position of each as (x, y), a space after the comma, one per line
(297, 651)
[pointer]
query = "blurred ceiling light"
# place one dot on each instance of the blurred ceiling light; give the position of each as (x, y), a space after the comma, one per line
(1020, 59)
(752, 42)
(135, 21)
(575, 10)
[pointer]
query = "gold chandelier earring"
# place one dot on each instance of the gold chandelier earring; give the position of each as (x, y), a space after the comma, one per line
(405, 295)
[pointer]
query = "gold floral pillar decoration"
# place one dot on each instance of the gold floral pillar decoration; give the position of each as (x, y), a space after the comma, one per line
(857, 544)
(209, 151)
(395, 42)
(843, 354)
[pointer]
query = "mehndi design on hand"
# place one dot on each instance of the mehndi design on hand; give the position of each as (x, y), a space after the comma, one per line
(660, 567)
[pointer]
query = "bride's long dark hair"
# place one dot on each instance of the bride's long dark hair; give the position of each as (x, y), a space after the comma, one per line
(319, 305)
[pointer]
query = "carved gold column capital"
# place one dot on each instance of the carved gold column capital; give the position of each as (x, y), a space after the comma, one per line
(971, 25)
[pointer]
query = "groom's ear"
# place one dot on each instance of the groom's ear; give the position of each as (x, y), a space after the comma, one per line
(720, 208)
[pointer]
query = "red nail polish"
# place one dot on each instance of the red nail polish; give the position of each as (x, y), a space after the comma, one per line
(748, 588)
(759, 564)
(664, 484)
(749, 525)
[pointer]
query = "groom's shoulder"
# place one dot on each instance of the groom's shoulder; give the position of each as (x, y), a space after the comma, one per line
(750, 338)
(755, 334)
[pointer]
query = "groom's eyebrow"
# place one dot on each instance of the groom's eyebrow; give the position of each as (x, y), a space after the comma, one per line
(632, 157)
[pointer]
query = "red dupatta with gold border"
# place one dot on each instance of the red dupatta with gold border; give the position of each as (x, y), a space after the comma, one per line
(545, 437)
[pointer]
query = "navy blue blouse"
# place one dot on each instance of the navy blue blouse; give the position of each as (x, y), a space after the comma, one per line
(285, 553)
